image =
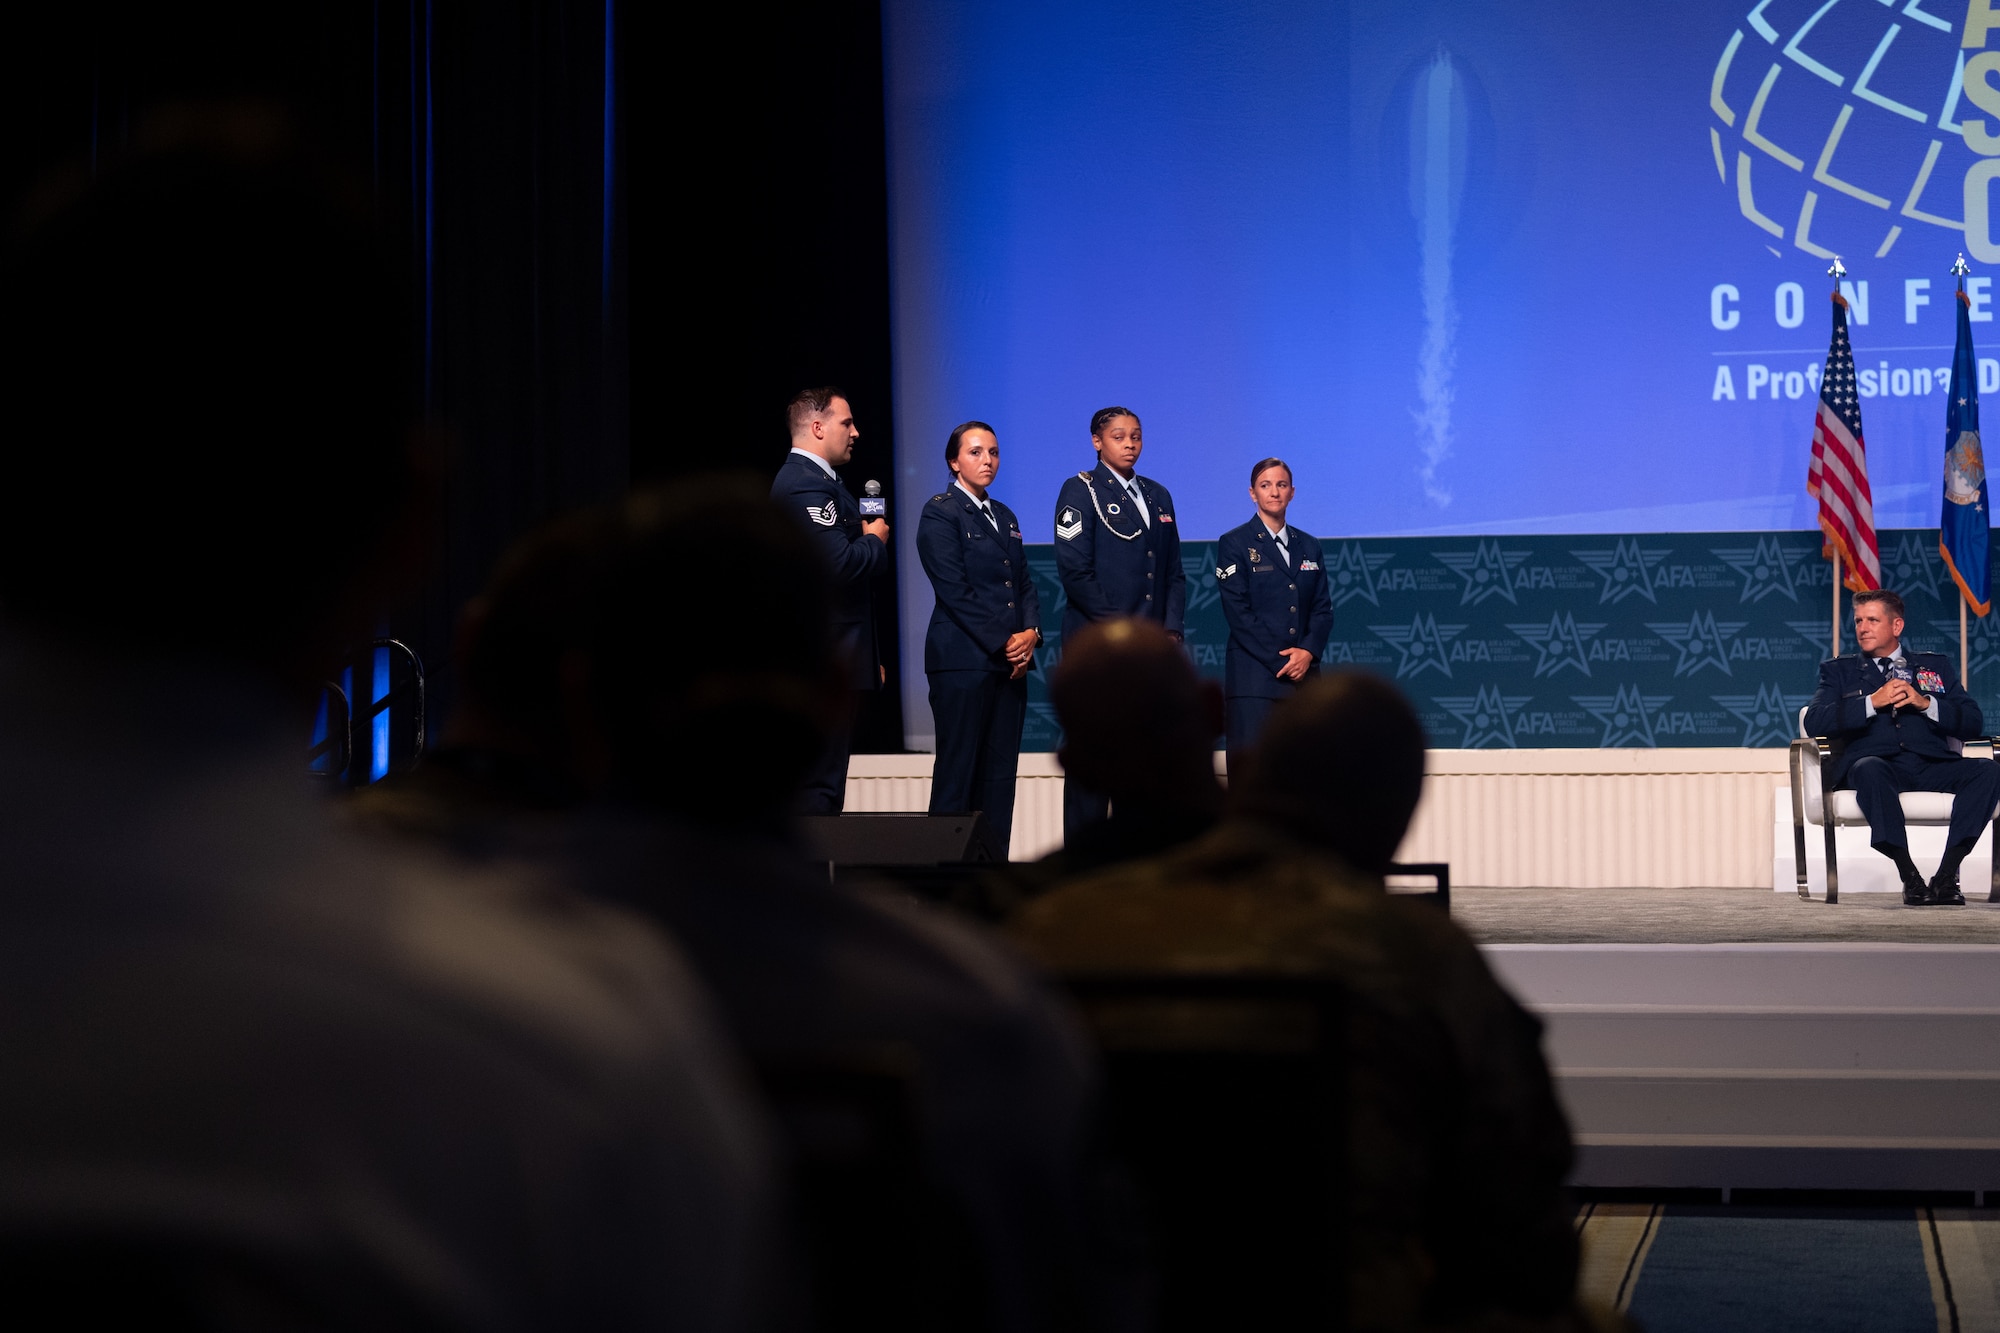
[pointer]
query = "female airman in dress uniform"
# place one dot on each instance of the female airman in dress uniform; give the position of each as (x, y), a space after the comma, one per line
(982, 637)
(1118, 551)
(1277, 602)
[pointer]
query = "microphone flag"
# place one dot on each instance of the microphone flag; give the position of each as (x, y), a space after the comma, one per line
(1838, 477)
(1963, 528)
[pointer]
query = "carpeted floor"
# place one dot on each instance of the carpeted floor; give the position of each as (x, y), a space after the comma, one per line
(1712, 916)
(1678, 1269)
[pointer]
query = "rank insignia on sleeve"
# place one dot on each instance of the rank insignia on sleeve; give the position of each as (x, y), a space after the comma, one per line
(1930, 682)
(825, 515)
(1222, 573)
(1069, 524)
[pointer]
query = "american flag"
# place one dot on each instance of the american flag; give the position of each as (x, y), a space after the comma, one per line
(1838, 478)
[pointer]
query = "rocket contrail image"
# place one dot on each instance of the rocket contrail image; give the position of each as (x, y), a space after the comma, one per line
(1431, 134)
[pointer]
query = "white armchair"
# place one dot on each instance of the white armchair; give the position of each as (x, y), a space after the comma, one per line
(1810, 802)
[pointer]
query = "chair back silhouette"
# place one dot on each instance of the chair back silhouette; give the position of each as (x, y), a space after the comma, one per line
(371, 720)
(174, 1280)
(332, 747)
(883, 1248)
(1225, 1105)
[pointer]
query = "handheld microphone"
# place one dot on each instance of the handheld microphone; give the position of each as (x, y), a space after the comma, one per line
(872, 503)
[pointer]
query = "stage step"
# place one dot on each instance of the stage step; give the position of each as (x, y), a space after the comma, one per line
(1793, 1066)
(1770, 1038)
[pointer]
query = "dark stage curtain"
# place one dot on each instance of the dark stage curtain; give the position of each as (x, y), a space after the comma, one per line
(492, 138)
(763, 209)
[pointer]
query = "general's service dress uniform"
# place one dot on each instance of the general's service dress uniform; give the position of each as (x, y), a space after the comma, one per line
(1275, 596)
(1880, 753)
(1118, 552)
(978, 569)
(809, 490)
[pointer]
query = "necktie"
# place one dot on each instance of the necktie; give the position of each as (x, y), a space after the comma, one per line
(987, 509)
(1132, 489)
(1284, 551)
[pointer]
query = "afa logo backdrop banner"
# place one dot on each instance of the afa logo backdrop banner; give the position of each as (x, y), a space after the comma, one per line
(1668, 639)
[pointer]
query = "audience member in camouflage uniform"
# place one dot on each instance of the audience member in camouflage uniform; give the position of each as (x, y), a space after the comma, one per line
(1458, 1148)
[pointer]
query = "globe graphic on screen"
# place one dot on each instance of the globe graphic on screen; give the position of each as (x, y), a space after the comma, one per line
(1835, 129)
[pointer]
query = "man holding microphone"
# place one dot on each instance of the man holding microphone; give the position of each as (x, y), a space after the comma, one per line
(855, 550)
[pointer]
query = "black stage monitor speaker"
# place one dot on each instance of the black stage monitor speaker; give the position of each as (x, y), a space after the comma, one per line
(877, 840)
(1438, 873)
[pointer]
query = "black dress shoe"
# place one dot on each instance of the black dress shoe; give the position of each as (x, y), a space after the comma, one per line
(1917, 896)
(1943, 895)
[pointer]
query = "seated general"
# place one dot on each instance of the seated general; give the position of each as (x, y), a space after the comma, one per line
(1892, 716)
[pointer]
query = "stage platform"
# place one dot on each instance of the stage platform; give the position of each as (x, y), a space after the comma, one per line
(1715, 916)
(1726, 1039)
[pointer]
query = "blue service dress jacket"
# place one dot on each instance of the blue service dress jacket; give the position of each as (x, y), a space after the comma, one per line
(832, 516)
(1270, 606)
(984, 594)
(1112, 562)
(1838, 711)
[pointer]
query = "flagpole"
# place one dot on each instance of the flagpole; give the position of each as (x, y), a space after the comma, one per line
(1836, 271)
(1959, 270)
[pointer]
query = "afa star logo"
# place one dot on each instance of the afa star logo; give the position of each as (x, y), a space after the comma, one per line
(1042, 715)
(1627, 570)
(1485, 718)
(1422, 644)
(1913, 564)
(1488, 571)
(1350, 573)
(1702, 642)
(1769, 717)
(1048, 582)
(1819, 632)
(1560, 643)
(1628, 716)
(1766, 568)
(1201, 589)
(1982, 640)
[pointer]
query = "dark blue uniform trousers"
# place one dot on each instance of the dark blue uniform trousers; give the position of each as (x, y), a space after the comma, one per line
(1878, 780)
(824, 791)
(1246, 714)
(1082, 806)
(979, 715)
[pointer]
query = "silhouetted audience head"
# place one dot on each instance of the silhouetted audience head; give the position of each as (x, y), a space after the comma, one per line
(1138, 724)
(521, 642)
(204, 362)
(1341, 764)
(712, 672)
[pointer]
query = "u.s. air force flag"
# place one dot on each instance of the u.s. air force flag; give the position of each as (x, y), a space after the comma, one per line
(1962, 530)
